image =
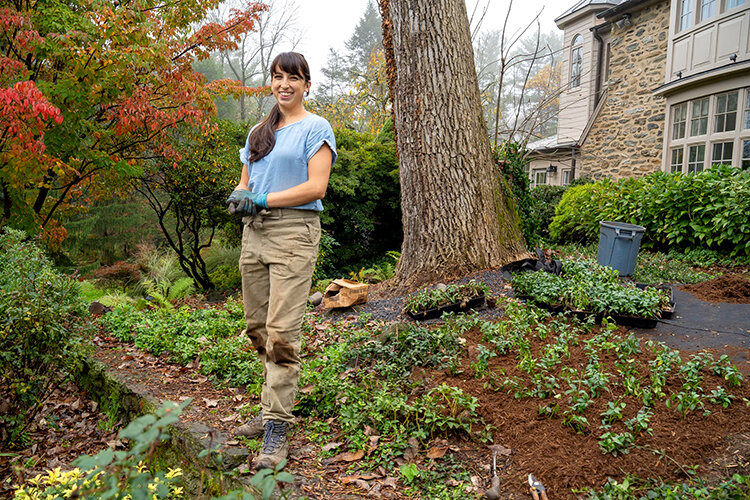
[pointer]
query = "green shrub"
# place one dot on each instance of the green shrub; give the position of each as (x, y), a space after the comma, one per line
(41, 314)
(226, 276)
(704, 210)
(363, 202)
(544, 199)
(511, 160)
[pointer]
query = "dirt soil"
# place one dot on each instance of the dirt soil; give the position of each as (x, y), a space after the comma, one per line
(730, 288)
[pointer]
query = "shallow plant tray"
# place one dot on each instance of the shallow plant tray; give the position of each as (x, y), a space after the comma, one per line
(472, 303)
(634, 321)
(666, 313)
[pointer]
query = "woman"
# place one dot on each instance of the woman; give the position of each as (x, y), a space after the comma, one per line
(286, 160)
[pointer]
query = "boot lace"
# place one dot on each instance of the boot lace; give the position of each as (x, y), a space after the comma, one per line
(274, 436)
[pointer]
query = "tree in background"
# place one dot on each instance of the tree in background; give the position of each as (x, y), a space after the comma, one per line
(188, 196)
(457, 217)
(355, 95)
(250, 62)
(91, 90)
(506, 62)
(362, 205)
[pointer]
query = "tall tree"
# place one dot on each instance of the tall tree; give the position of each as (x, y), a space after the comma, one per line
(366, 39)
(250, 62)
(457, 215)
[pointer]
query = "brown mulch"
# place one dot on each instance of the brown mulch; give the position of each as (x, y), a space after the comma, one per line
(70, 424)
(565, 461)
(729, 288)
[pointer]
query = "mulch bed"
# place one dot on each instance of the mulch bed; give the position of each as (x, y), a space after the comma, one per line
(564, 460)
(729, 288)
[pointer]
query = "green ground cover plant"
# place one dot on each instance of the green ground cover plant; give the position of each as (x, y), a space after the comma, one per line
(431, 298)
(212, 335)
(587, 286)
(706, 210)
(42, 317)
(655, 267)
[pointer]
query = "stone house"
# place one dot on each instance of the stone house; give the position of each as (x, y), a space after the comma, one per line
(649, 85)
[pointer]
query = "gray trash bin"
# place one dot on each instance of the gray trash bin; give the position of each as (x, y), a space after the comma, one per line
(618, 246)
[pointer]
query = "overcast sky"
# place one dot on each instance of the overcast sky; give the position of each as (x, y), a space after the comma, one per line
(329, 23)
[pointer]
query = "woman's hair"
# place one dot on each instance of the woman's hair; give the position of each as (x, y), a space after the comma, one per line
(263, 138)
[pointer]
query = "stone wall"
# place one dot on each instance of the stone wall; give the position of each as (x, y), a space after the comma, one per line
(626, 138)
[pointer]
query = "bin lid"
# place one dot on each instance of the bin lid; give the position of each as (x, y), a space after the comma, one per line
(622, 225)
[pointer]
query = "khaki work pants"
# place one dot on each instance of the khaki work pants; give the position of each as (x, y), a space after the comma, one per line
(279, 249)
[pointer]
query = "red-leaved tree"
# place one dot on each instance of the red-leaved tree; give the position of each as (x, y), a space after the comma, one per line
(89, 91)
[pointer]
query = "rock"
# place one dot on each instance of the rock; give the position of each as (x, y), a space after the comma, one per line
(97, 308)
(441, 286)
(315, 299)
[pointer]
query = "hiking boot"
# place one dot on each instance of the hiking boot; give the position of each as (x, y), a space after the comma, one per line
(275, 446)
(252, 429)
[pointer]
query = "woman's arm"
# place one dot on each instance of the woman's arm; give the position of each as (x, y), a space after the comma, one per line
(314, 188)
(244, 178)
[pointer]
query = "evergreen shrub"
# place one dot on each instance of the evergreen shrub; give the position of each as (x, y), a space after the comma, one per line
(41, 317)
(706, 210)
(363, 202)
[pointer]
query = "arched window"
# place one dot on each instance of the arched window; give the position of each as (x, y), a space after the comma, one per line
(576, 61)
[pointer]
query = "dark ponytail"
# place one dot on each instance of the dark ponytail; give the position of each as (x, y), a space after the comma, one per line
(263, 137)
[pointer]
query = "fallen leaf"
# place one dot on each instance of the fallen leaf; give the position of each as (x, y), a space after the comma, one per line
(373, 444)
(211, 403)
(230, 418)
(232, 443)
(330, 446)
(390, 481)
(350, 456)
(436, 452)
(199, 379)
(307, 389)
(243, 468)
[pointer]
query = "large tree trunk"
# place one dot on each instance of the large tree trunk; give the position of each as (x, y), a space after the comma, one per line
(457, 215)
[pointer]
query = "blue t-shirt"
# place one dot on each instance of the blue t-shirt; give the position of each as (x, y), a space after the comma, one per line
(286, 165)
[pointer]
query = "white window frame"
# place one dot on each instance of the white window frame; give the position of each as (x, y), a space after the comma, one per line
(731, 4)
(677, 166)
(722, 160)
(706, 10)
(537, 172)
(745, 154)
(701, 119)
(576, 61)
(698, 165)
(722, 115)
(739, 134)
(679, 120)
(685, 15)
(565, 177)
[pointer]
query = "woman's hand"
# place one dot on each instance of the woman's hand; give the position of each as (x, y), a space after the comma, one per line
(246, 202)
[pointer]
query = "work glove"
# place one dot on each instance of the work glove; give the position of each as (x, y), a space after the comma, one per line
(244, 202)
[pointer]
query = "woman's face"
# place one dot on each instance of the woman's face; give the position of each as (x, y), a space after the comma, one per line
(288, 88)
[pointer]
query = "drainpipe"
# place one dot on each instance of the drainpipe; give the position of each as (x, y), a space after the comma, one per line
(599, 58)
(573, 164)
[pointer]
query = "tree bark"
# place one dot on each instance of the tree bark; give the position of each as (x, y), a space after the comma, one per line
(458, 216)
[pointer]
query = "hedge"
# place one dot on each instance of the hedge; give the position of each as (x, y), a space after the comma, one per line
(710, 209)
